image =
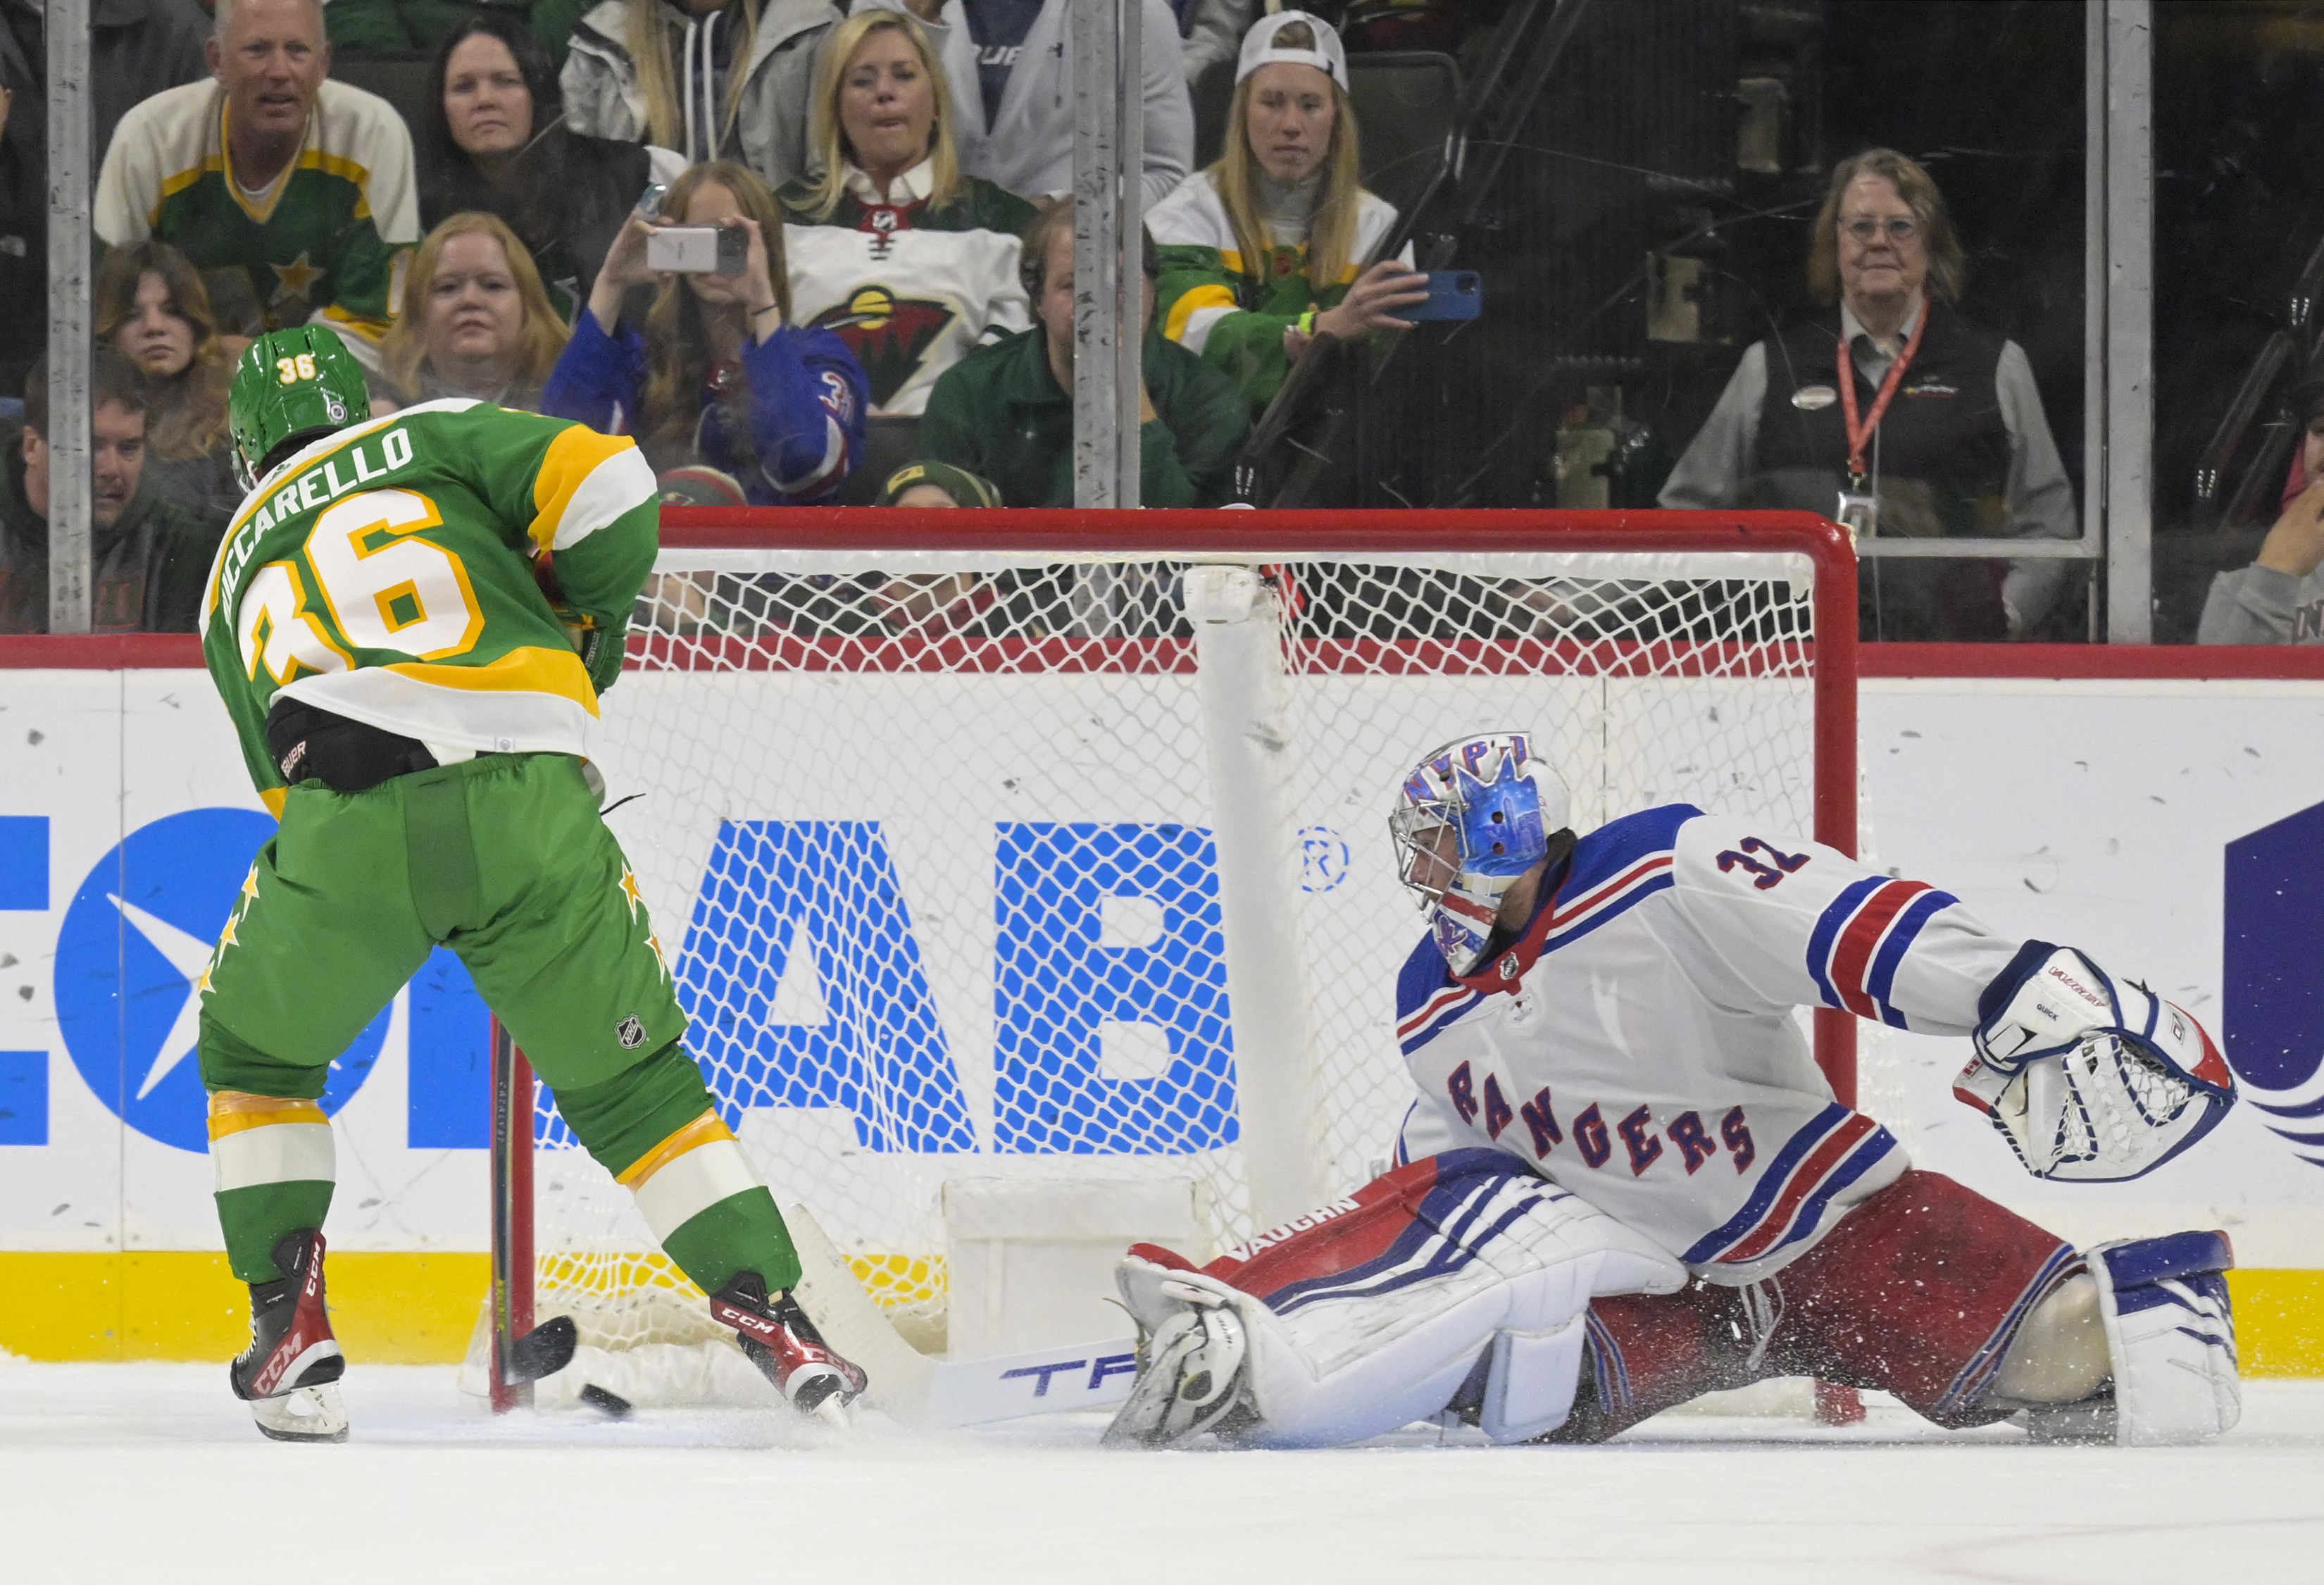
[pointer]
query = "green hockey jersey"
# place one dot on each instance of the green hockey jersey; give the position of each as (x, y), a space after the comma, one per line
(329, 238)
(393, 572)
(1210, 301)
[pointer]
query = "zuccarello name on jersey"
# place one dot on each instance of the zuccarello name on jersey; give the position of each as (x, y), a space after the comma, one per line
(312, 487)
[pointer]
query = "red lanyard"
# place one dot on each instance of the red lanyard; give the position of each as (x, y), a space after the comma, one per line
(1860, 433)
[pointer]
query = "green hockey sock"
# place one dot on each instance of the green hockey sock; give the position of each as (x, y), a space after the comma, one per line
(742, 1232)
(275, 1165)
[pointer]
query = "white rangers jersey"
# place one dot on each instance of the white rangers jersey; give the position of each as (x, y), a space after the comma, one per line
(1638, 1046)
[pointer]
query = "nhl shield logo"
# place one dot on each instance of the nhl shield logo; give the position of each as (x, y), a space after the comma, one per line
(1509, 966)
(336, 409)
(631, 1033)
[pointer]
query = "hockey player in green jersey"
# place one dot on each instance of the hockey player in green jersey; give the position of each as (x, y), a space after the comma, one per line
(418, 712)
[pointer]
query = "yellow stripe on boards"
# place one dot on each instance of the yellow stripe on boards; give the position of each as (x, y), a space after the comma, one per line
(699, 1132)
(572, 456)
(386, 1308)
(418, 1309)
(527, 669)
(2279, 1321)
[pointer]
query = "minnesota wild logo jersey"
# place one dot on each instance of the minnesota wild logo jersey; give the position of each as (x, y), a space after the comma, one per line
(909, 304)
(396, 573)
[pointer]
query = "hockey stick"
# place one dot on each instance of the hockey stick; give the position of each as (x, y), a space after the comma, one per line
(931, 1393)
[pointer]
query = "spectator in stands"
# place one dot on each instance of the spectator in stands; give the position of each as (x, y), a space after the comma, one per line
(137, 48)
(475, 321)
(1005, 411)
(400, 25)
(23, 226)
(666, 71)
(148, 561)
(151, 308)
(1213, 29)
(2278, 597)
(911, 263)
(497, 142)
(1262, 250)
(720, 375)
(291, 194)
(1009, 65)
(1953, 438)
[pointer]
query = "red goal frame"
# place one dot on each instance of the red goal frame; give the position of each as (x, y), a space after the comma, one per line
(1246, 536)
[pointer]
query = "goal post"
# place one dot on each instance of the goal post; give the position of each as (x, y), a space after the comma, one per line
(1046, 850)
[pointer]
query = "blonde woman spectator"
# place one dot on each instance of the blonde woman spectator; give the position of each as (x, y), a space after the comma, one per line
(1010, 64)
(475, 320)
(719, 375)
(911, 263)
(1263, 249)
(714, 79)
(152, 309)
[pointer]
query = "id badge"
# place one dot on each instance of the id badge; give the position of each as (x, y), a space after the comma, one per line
(1858, 514)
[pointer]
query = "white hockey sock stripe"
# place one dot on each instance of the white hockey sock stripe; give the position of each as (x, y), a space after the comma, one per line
(277, 1147)
(688, 1185)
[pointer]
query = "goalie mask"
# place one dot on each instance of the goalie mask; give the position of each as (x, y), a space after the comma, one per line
(1472, 817)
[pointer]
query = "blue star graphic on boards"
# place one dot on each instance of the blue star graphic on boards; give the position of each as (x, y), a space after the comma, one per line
(135, 944)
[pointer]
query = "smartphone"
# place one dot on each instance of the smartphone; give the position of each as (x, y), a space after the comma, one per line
(698, 250)
(1453, 294)
(650, 200)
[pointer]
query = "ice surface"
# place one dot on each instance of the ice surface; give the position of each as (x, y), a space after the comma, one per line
(138, 1472)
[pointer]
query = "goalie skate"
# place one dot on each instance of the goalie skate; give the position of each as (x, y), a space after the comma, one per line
(1191, 1378)
(289, 1373)
(779, 1339)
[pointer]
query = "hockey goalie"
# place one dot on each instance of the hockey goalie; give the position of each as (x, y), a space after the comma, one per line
(1625, 1182)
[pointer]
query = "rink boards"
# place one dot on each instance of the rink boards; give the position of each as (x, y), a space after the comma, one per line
(2167, 827)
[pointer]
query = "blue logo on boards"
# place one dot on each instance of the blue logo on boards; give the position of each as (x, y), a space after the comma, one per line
(2272, 1023)
(135, 939)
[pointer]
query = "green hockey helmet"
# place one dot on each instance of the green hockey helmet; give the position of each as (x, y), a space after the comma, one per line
(288, 383)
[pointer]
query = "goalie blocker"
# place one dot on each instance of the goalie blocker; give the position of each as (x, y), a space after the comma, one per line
(1461, 1284)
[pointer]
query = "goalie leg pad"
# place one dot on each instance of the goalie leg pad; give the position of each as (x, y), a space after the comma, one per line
(2090, 1081)
(1375, 1313)
(2172, 1333)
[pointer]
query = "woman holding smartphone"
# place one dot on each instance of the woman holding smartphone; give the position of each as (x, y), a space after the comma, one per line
(717, 374)
(1263, 249)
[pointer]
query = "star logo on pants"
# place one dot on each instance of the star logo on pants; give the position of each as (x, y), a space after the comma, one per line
(630, 889)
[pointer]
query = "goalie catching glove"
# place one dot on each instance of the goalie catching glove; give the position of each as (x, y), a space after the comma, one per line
(2090, 1081)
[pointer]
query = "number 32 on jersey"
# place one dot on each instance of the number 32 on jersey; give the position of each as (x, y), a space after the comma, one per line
(383, 587)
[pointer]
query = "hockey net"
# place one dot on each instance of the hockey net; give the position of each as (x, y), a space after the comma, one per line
(928, 816)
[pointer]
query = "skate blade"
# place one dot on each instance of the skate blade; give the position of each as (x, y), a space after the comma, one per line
(314, 1413)
(833, 1411)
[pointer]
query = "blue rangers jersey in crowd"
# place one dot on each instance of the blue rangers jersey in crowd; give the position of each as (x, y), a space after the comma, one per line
(1638, 1045)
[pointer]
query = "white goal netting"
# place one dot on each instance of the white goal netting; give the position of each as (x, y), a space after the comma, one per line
(932, 842)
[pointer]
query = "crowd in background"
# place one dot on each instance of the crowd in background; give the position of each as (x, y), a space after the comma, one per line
(894, 320)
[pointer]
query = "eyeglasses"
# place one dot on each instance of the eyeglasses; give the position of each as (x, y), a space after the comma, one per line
(1867, 230)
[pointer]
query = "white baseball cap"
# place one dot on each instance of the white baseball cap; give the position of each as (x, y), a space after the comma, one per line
(1260, 48)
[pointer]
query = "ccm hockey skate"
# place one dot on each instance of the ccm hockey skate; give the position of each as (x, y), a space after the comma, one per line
(783, 1343)
(289, 1373)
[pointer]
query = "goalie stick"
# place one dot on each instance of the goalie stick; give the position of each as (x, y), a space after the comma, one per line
(934, 1395)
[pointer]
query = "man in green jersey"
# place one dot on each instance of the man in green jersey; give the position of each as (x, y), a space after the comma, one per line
(417, 711)
(292, 194)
